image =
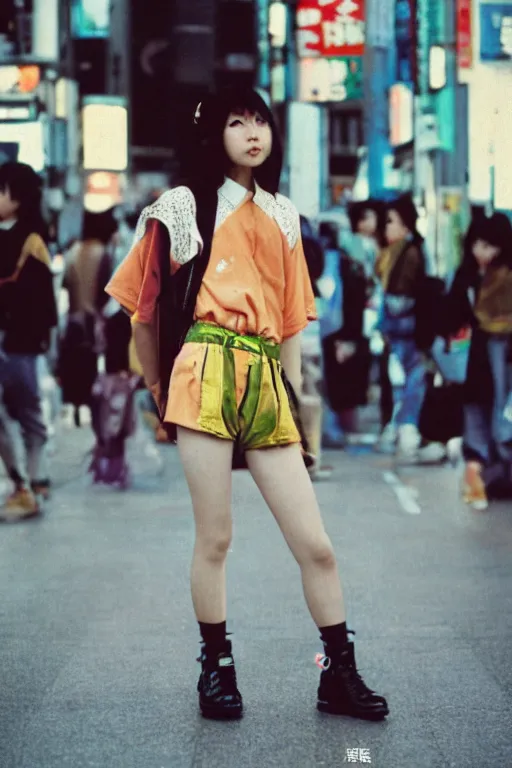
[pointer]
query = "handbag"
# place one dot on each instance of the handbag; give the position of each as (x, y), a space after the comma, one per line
(442, 413)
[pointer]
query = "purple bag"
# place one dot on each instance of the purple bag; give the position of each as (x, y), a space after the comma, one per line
(113, 422)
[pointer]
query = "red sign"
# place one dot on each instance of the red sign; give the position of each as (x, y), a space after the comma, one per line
(330, 28)
(464, 34)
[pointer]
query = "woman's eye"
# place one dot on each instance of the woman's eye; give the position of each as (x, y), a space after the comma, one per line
(235, 122)
(261, 121)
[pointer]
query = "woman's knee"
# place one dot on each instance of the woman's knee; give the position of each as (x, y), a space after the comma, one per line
(213, 545)
(319, 552)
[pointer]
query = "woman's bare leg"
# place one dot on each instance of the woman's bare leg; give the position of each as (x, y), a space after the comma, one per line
(207, 464)
(283, 480)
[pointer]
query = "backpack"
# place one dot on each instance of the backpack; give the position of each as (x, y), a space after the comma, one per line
(113, 421)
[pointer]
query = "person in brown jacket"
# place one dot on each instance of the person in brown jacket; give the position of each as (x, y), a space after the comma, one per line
(401, 269)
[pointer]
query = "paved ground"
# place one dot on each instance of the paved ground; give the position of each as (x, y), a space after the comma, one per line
(98, 640)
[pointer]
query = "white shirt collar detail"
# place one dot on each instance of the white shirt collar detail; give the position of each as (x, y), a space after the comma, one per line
(233, 192)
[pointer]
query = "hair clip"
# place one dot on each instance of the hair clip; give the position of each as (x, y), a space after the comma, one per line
(197, 114)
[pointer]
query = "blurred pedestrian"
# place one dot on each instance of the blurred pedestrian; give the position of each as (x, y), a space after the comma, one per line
(89, 268)
(481, 297)
(27, 314)
(346, 350)
(401, 268)
(239, 274)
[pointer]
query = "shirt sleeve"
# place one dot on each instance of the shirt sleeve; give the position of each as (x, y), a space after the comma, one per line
(299, 303)
(136, 282)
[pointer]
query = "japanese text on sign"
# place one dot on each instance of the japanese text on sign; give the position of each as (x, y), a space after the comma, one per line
(330, 28)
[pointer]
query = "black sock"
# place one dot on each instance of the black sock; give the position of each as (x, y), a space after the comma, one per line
(334, 638)
(214, 636)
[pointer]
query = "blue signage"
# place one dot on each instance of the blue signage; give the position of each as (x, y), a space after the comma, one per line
(496, 31)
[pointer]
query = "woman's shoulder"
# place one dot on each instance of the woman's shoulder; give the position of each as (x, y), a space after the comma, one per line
(173, 208)
(176, 210)
(284, 213)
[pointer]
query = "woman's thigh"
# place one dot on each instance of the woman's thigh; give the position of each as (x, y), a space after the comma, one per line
(207, 463)
(284, 483)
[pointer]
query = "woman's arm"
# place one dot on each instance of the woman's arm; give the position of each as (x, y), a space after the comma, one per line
(146, 346)
(291, 362)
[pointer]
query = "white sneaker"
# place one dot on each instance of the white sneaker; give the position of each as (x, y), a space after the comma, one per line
(409, 440)
(387, 440)
(432, 453)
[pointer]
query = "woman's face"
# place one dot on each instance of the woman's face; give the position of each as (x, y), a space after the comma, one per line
(368, 223)
(8, 206)
(484, 253)
(395, 228)
(247, 139)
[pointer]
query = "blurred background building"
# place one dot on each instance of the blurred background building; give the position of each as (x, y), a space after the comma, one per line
(372, 97)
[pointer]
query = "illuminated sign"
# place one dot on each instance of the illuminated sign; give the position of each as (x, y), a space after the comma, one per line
(90, 18)
(105, 133)
(330, 28)
(465, 33)
(329, 79)
(401, 114)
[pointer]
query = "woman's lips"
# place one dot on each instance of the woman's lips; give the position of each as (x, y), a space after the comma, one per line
(254, 152)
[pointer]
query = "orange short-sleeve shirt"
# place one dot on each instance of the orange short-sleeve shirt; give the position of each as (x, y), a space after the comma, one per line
(256, 281)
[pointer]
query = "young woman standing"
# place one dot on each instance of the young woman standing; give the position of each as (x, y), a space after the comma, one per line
(229, 384)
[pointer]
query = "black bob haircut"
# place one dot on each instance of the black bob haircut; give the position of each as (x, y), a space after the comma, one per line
(206, 164)
(25, 187)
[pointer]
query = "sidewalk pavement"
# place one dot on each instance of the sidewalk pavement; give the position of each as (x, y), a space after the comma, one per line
(98, 639)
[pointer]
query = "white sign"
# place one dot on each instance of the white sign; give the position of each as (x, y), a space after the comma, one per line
(105, 136)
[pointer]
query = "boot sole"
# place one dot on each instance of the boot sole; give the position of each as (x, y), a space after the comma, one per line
(221, 714)
(329, 709)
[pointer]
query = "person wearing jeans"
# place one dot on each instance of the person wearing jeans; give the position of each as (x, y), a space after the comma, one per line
(401, 268)
(28, 312)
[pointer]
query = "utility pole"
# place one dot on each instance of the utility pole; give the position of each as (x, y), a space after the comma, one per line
(380, 17)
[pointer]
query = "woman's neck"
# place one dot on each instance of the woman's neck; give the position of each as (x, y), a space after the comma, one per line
(242, 176)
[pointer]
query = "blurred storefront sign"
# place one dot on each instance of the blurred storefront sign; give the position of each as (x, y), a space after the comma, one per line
(105, 133)
(20, 112)
(330, 28)
(496, 31)
(380, 24)
(29, 138)
(102, 191)
(405, 36)
(401, 114)
(90, 18)
(16, 80)
(465, 34)
(328, 79)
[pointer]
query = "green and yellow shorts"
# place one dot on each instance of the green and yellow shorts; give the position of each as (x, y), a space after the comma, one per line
(231, 386)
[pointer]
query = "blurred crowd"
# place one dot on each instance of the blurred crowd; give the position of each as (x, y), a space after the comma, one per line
(433, 356)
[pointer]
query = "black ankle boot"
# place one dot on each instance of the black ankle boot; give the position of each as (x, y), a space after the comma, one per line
(342, 691)
(219, 697)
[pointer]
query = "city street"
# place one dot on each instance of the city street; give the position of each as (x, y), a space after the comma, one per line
(98, 639)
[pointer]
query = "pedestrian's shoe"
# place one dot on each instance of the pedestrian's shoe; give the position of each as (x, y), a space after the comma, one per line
(41, 489)
(432, 453)
(342, 691)
(20, 505)
(219, 697)
(387, 440)
(473, 490)
(408, 444)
